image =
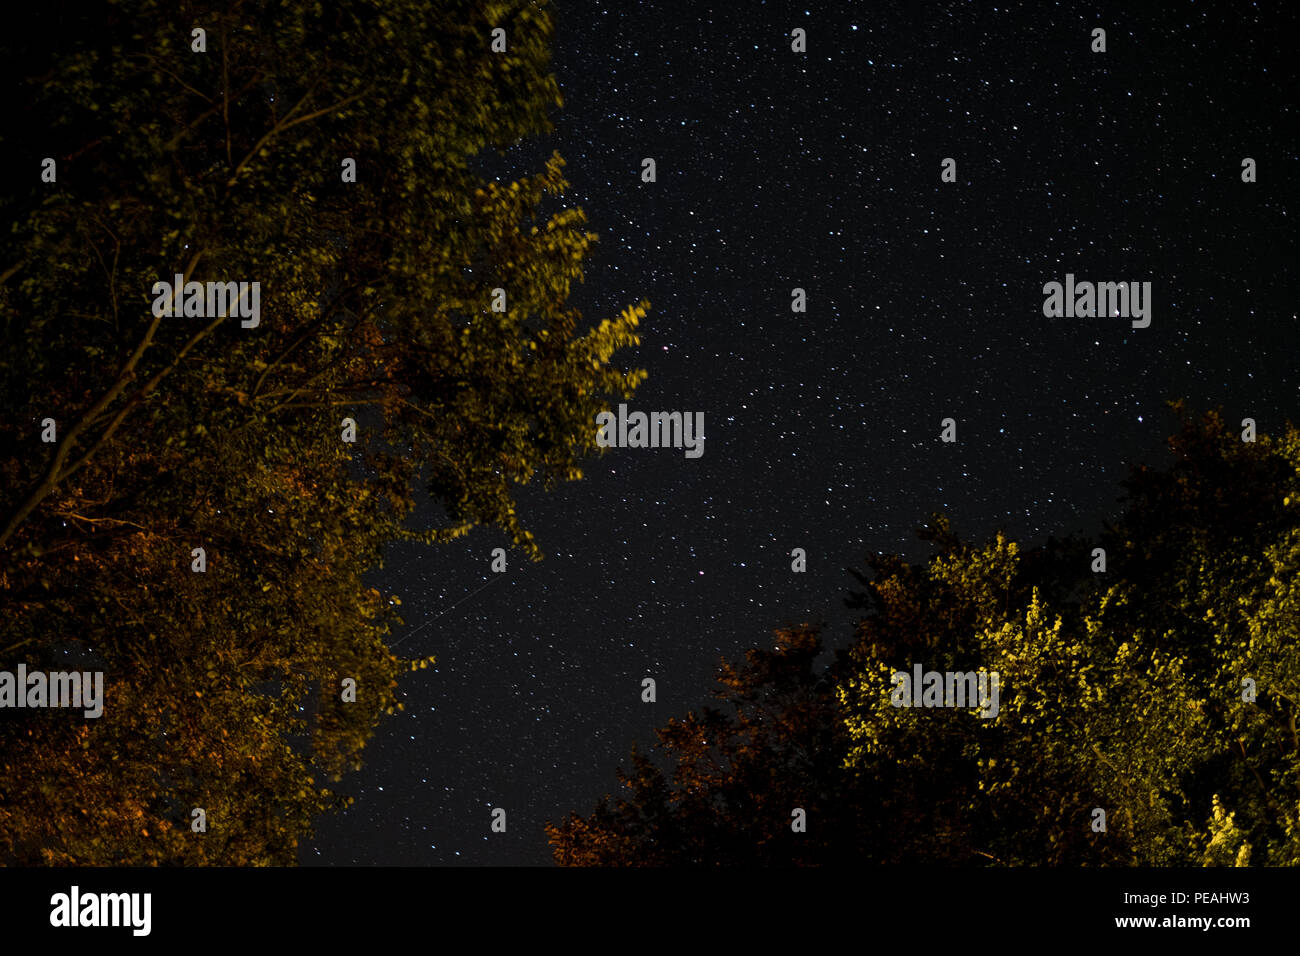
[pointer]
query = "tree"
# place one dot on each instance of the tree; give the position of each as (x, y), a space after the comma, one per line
(224, 687)
(1210, 544)
(1162, 693)
(1120, 692)
(735, 777)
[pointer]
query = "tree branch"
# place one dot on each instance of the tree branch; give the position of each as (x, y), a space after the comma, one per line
(287, 123)
(55, 472)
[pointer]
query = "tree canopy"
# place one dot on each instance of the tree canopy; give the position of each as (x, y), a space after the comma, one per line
(327, 153)
(1161, 689)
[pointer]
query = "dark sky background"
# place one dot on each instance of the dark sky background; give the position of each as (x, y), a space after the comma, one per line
(822, 171)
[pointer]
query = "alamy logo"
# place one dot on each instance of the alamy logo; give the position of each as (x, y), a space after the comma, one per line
(924, 688)
(102, 909)
(1087, 300)
(56, 689)
(659, 430)
(217, 300)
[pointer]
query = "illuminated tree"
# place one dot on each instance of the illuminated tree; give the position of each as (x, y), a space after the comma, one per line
(378, 304)
(1162, 692)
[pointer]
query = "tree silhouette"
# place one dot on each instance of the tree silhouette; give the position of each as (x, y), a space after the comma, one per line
(735, 776)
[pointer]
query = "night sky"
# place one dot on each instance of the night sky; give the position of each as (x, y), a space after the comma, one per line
(821, 170)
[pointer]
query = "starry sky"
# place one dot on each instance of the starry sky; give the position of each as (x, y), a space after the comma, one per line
(821, 171)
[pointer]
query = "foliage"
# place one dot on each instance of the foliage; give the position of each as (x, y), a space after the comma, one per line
(1120, 691)
(176, 433)
(736, 775)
